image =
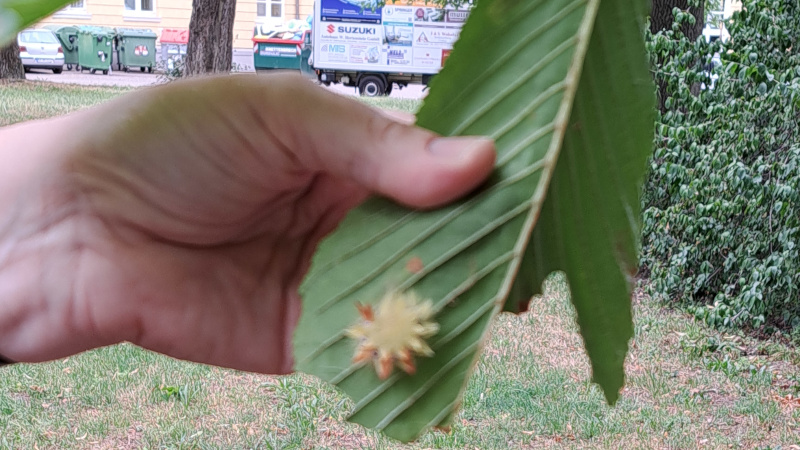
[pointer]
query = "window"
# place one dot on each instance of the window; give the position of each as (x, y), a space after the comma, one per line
(38, 37)
(269, 10)
(74, 10)
(140, 11)
(139, 6)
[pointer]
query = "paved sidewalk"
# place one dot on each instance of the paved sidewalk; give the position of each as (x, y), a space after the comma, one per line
(242, 60)
(138, 79)
(114, 78)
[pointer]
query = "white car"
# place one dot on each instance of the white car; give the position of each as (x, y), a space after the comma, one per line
(40, 49)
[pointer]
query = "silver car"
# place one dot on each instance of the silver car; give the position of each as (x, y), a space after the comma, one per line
(40, 49)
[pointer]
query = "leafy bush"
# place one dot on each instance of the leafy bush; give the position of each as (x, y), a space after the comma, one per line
(722, 202)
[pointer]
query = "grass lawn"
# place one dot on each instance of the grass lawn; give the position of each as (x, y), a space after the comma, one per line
(31, 100)
(688, 386)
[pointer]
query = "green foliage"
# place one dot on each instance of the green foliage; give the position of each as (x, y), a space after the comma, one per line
(722, 203)
(599, 260)
(182, 394)
(563, 89)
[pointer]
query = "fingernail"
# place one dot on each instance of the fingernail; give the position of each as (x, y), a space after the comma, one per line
(457, 147)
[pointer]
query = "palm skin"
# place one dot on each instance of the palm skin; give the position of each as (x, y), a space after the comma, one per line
(183, 218)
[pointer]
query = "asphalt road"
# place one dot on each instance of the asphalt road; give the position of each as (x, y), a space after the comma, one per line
(242, 59)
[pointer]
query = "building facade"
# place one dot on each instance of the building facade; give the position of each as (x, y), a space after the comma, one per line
(715, 25)
(157, 15)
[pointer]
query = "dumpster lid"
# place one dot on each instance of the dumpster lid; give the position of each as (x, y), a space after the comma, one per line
(70, 29)
(175, 36)
(91, 29)
(135, 32)
(65, 33)
(294, 26)
(287, 37)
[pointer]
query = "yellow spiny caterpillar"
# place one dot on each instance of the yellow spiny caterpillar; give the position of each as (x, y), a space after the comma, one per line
(394, 332)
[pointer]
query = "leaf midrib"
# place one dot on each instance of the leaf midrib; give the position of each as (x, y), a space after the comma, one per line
(514, 50)
(562, 117)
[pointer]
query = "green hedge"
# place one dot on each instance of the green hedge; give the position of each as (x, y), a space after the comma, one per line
(722, 201)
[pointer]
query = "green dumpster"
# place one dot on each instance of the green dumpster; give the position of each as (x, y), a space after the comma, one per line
(278, 51)
(136, 48)
(68, 36)
(306, 67)
(95, 47)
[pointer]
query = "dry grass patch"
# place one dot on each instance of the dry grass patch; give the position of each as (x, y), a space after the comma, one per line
(688, 386)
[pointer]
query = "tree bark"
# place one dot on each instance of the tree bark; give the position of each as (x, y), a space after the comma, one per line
(661, 18)
(210, 48)
(10, 65)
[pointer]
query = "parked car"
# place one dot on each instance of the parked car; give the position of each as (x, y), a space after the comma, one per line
(40, 49)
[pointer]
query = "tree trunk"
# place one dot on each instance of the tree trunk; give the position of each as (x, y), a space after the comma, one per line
(210, 48)
(10, 64)
(661, 18)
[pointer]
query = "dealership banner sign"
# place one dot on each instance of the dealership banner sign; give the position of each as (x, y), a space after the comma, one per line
(409, 36)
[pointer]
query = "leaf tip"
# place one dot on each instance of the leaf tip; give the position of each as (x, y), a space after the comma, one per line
(611, 394)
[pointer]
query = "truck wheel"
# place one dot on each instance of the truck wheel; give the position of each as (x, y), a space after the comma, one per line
(371, 86)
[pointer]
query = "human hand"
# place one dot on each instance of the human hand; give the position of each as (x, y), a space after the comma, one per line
(183, 218)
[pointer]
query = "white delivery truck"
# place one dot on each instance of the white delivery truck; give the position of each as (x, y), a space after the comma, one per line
(356, 44)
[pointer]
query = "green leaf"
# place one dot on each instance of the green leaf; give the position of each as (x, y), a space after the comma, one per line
(15, 15)
(514, 75)
(589, 226)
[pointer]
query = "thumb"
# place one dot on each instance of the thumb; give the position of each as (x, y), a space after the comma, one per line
(350, 140)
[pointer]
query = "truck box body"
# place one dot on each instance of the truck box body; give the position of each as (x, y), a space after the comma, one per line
(401, 43)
